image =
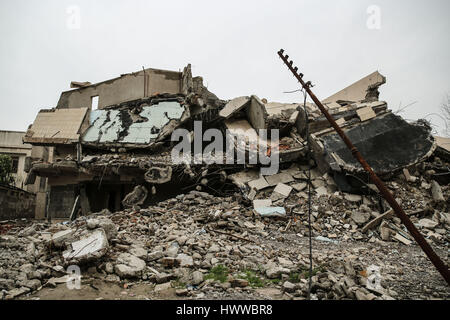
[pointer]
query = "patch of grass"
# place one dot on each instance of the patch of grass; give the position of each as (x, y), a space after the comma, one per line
(177, 284)
(314, 271)
(275, 281)
(218, 273)
(294, 277)
(253, 279)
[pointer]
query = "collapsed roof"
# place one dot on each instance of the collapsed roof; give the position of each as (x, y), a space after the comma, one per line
(122, 127)
(56, 126)
(139, 130)
(365, 89)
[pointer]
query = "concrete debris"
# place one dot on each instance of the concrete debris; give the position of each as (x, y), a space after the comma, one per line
(157, 175)
(408, 176)
(197, 278)
(428, 223)
(61, 238)
(90, 247)
(360, 218)
(366, 113)
(325, 239)
(353, 197)
(129, 266)
(402, 239)
(262, 203)
(279, 178)
(377, 220)
(234, 106)
(258, 184)
(436, 191)
(365, 89)
(380, 141)
(321, 191)
(283, 190)
(178, 239)
(271, 211)
(137, 197)
(299, 186)
(222, 230)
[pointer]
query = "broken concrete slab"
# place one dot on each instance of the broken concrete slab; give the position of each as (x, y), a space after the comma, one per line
(282, 177)
(93, 246)
(139, 251)
(243, 177)
(321, 191)
(262, 203)
(60, 238)
(385, 231)
(258, 184)
(129, 266)
(234, 106)
(163, 287)
(387, 142)
(352, 197)
(197, 278)
(366, 113)
(428, 223)
(299, 186)
(252, 194)
(104, 223)
(364, 89)
(57, 126)
(283, 190)
(402, 239)
(271, 211)
(243, 129)
(138, 127)
(317, 183)
(376, 221)
(340, 121)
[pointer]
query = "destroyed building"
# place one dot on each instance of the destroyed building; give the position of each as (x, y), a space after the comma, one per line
(131, 213)
(90, 163)
(113, 137)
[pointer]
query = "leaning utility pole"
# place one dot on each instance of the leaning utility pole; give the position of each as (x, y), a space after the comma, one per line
(437, 262)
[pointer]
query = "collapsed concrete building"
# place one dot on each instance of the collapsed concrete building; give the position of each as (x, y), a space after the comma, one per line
(137, 213)
(110, 143)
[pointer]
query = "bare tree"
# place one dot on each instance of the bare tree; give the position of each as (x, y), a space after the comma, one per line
(445, 109)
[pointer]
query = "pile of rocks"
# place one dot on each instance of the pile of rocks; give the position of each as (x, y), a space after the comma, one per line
(213, 247)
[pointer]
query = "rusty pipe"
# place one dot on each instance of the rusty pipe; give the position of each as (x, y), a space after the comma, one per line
(434, 258)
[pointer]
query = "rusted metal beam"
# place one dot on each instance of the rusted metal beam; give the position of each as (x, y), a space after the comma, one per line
(437, 262)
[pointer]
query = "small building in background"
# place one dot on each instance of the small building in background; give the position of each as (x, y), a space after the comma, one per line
(12, 145)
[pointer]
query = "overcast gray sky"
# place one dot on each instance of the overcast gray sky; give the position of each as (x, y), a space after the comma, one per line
(232, 44)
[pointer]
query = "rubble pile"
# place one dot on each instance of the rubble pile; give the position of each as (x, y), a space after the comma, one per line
(205, 246)
(231, 228)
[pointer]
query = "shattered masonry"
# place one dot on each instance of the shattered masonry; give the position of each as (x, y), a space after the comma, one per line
(133, 214)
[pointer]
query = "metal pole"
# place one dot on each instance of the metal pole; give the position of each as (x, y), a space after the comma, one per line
(437, 262)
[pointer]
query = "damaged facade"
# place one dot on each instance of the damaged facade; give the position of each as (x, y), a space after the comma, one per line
(20, 200)
(105, 158)
(135, 214)
(99, 155)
